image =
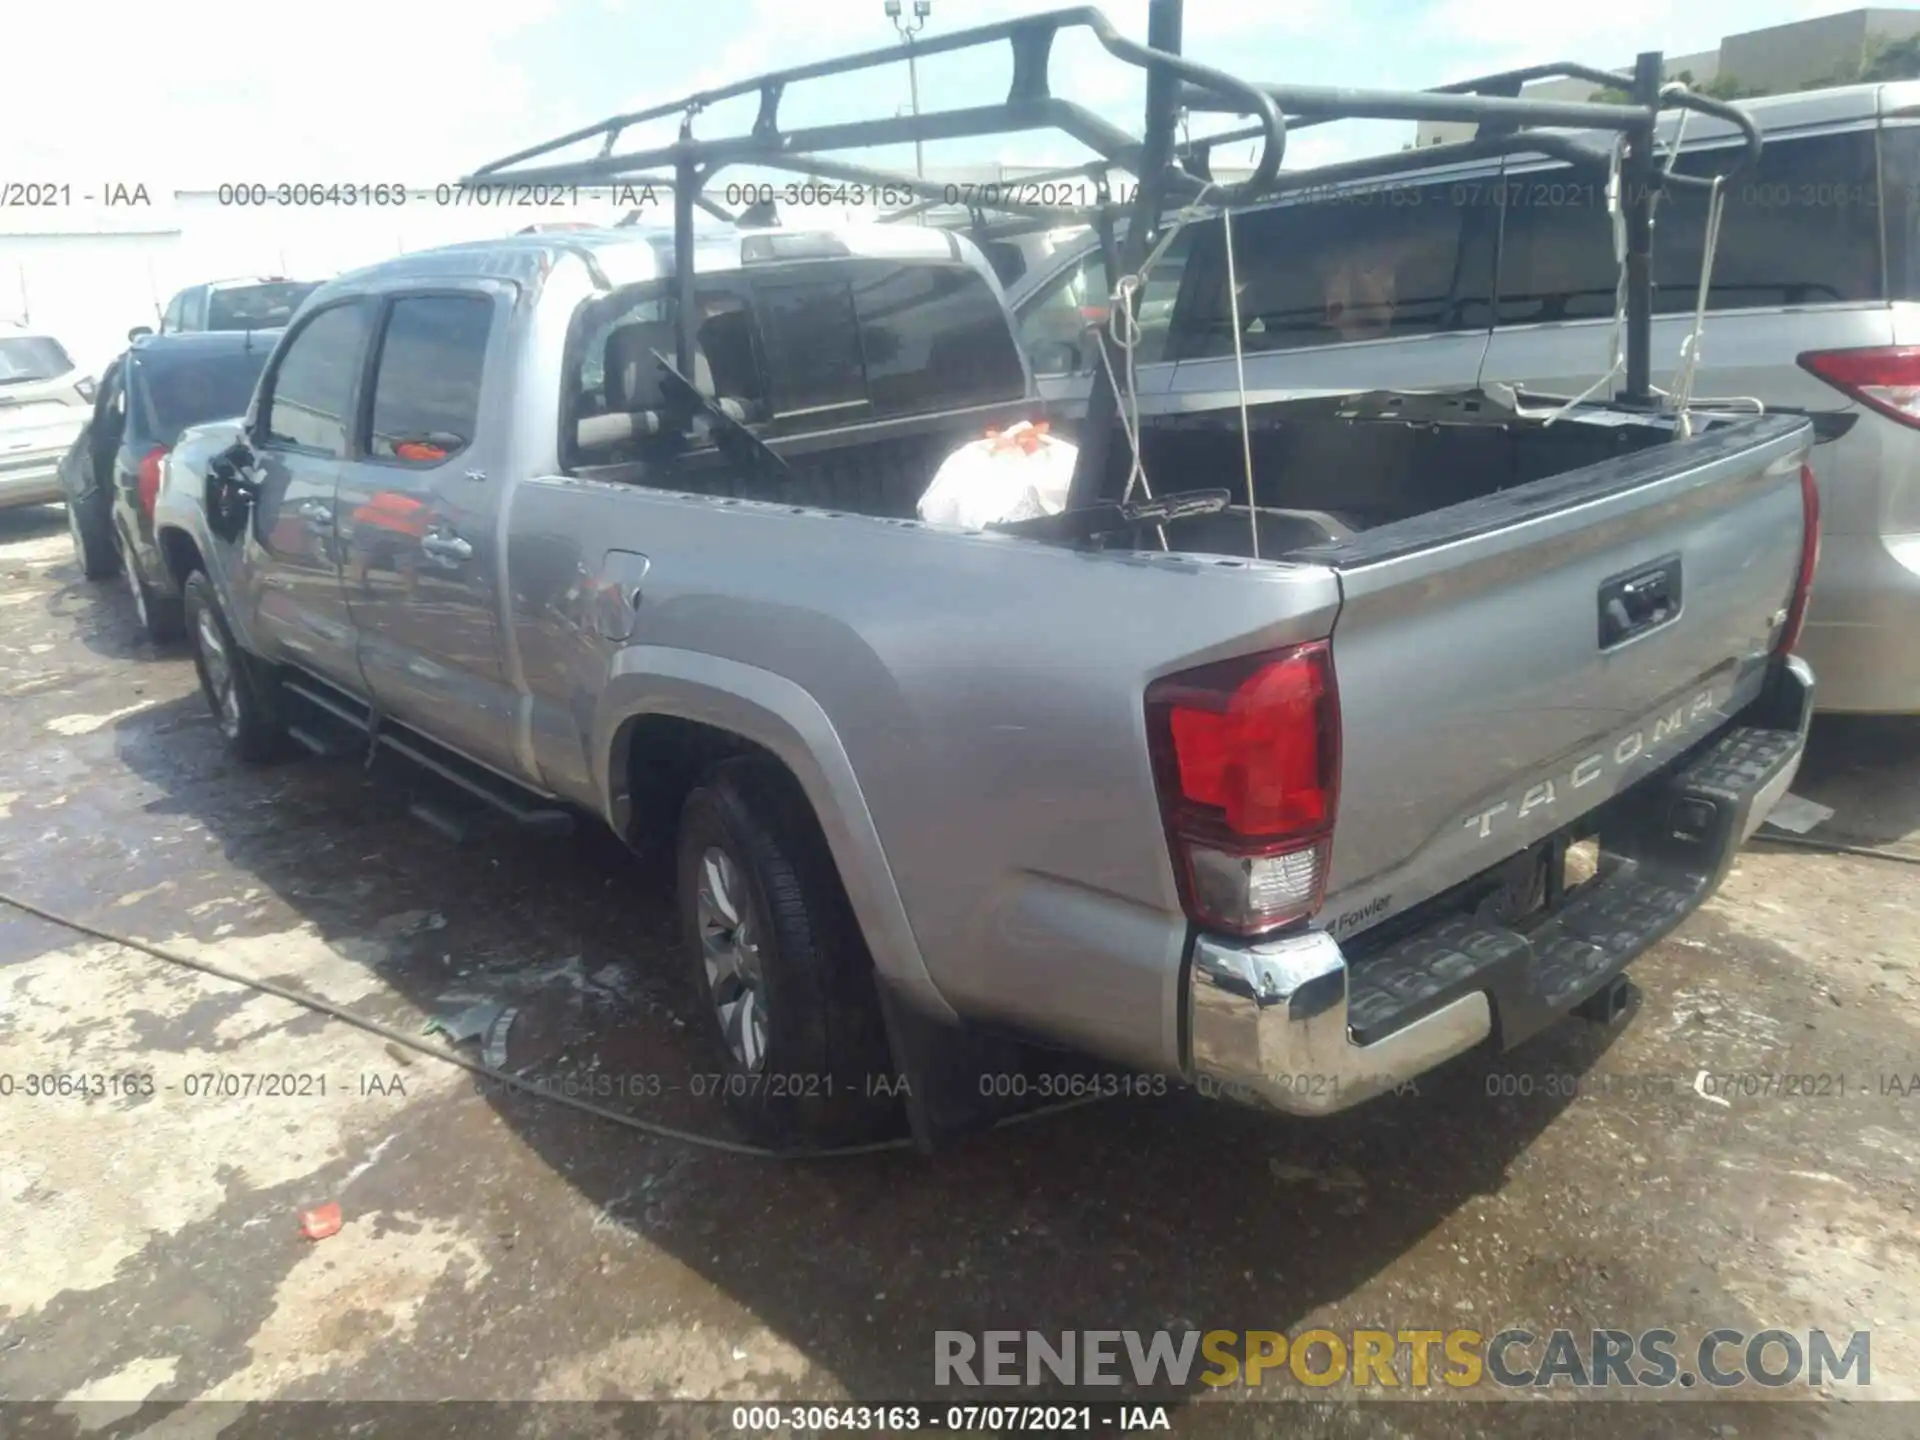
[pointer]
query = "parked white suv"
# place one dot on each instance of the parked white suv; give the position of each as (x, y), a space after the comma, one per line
(1504, 271)
(45, 399)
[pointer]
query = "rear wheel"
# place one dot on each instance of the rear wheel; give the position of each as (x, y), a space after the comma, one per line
(788, 986)
(242, 693)
(93, 546)
(162, 617)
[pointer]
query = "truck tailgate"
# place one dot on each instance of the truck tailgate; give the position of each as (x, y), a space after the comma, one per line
(1503, 665)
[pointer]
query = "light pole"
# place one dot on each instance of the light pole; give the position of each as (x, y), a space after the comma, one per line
(909, 29)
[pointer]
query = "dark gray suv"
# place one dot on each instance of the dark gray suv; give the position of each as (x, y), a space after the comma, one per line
(110, 475)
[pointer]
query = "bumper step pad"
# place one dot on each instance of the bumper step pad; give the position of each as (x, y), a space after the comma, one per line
(1661, 860)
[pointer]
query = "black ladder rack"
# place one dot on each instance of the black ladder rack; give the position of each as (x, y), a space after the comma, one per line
(1169, 174)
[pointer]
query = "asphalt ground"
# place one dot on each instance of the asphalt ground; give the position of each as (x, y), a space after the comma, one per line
(498, 1247)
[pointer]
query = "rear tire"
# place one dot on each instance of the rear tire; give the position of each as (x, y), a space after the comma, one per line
(242, 693)
(787, 983)
(93, 547)
(162, 618)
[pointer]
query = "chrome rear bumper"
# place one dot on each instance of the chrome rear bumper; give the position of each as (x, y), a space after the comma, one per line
(1269, 1027)
(1290, 1025)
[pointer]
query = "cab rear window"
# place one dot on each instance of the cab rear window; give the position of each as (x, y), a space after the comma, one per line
(934, 339)
(256, 307)
(884, 340)
(807, 347)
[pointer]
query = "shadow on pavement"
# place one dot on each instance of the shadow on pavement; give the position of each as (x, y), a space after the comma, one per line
(1132, 1213)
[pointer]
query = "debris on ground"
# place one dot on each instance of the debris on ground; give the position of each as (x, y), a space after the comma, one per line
(493, 1054)
(321, 1221)
(1797, 815)
(471, 1020)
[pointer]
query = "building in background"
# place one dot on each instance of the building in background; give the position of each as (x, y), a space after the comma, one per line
(1831, 50)
(107, 256)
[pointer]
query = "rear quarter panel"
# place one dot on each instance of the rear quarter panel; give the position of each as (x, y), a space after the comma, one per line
(987, 693)
(180, 506)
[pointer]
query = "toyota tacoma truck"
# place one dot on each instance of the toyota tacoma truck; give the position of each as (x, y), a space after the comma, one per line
(1409, 751)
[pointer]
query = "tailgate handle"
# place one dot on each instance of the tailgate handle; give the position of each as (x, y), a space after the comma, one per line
(1642, 599)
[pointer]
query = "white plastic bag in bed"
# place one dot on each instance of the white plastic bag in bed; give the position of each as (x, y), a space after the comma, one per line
(1017, 474)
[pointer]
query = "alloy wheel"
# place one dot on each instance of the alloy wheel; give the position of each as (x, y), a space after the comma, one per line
(216, 666)
(730, 951)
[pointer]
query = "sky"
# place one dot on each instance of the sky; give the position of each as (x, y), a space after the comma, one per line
(194, 93)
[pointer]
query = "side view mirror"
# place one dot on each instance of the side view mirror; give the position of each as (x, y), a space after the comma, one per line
(137, 331)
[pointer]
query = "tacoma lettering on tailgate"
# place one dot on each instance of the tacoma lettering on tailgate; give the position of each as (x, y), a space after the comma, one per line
(1623, 752)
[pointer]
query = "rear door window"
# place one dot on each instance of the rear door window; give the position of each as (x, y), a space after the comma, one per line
(1900, 190)
(1385, 261)
(426, 386)
(934, 338)
(310, 404)
(646, 317)
(1803, 229)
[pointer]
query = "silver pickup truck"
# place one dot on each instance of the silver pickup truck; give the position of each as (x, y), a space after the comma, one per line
(1465, 702)
(1294, 826)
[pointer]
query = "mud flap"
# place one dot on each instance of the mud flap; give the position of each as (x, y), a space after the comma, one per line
(942, 1067)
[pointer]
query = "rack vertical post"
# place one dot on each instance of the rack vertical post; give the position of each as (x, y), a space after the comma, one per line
(1637, 179)
(1156, 155)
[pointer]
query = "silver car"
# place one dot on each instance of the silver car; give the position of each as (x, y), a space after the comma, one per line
(1506, 272)
(45, 399)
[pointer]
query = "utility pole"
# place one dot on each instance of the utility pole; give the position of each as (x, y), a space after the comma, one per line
(907, 30)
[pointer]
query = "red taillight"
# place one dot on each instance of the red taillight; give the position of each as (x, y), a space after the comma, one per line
(150, 478)
(1809, 562)
(1247, 759)
(1883, 377)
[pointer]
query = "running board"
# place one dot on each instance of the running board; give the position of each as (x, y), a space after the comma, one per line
(323, 743)
(332, 710)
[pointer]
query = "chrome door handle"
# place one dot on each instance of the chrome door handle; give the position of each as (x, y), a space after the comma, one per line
(446, 547)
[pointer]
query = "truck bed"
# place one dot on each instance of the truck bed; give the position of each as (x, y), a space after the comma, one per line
(984, 691)
(1476, 557)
